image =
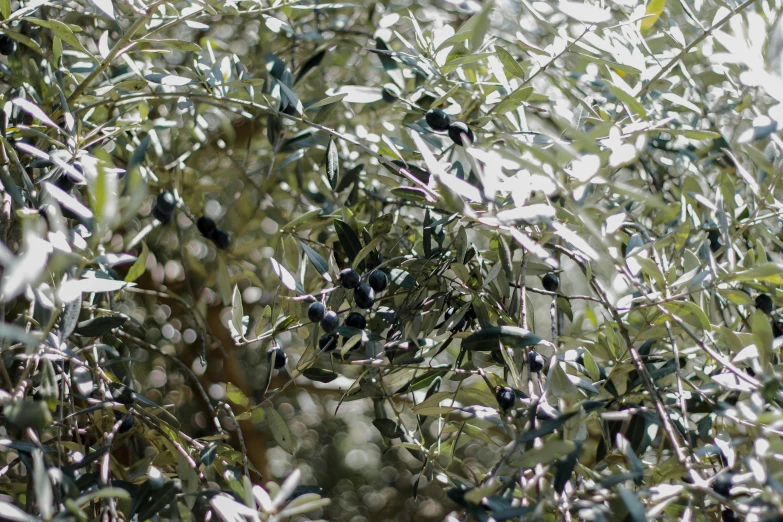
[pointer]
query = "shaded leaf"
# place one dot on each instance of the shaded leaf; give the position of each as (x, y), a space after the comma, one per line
(488, 339)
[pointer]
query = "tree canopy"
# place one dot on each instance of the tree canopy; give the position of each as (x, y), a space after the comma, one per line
(293, 260)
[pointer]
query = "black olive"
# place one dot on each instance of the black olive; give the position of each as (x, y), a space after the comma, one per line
(505, 397)
(764, 303)
(280, 357)
(356, 320)
(349, 278)
(551, 282)
(166, 202)
(722, 485)
(535, 361)
(327, 342)
(437, 120)
(221, 239)
(378, 280)
(459, 132)
(330, 322)
(316, 312)
(364, 296)
(7, 45)
(206, 226)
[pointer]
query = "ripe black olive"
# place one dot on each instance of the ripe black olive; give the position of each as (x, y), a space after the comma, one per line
(327, 342)
(356, 320)
(349, 278)
(166, 202)
(437, 120)
(535, 361)
(164, 207)
(551, 282)
(378, 280)
(316, 312)
(364, 296)
(280, 357)
(221, 239)
(764, 303)
(206, 226)
(722, 485)
(7, 45)
(459, 132)
(505, 397)
(330, 322)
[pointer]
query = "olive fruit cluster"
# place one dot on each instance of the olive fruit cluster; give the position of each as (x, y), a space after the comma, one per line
(363, 297)
(459, 132)
(164, 207)
(363, 293)
(214, 233)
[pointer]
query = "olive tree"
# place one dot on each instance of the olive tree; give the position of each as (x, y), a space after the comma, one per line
(385, 261)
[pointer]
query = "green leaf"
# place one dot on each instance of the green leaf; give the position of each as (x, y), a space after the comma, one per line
(510, 65)
(65, 33)
(326, 111)
(480, 30)
(311, 63)
(27, 413)
(280, 430)
(652, 13)
(103, 493)
(629, 100)
(11, 512)
(236, 395)
(139, 266)
(614, 65)
(549, 452)
(99, 325)
(320, 374)
(49, 391)
(160, 498)
(410, 193)
(349, 241)
(332, 163)
(179, 45)
(388, 428)
(294, 224)
(514, 100)
(43, 486)
(490, 338)
(285, 276)
(237, 312)
(207, 454)
(402, 278)
(633, 504)
(767, 273)
(763, 338)
(317, 260)
(459, 61)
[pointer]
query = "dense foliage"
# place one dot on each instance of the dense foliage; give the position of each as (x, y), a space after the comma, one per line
(499, 260)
